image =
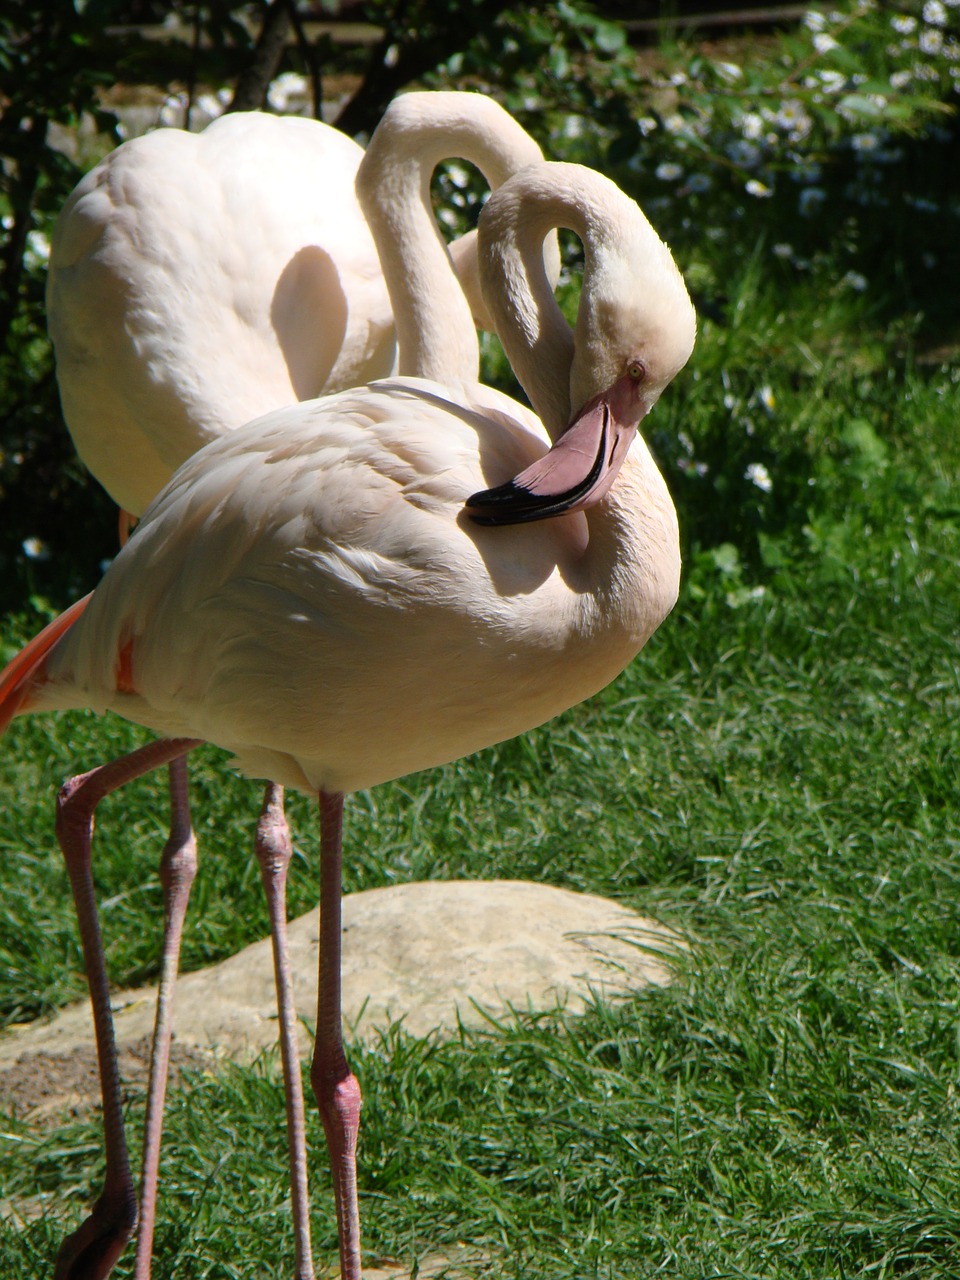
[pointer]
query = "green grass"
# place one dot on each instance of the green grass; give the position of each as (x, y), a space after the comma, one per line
(776, 775)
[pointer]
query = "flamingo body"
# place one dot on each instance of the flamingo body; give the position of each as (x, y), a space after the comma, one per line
(342, 597)
(354, 588)
(199, 280)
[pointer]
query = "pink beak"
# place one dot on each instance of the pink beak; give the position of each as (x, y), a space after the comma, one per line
(577, 471)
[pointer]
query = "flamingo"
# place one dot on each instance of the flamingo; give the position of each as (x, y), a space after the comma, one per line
(352, 589)
(198, 281)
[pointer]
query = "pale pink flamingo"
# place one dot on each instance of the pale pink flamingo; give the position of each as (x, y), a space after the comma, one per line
(329, 592)
(198, 280)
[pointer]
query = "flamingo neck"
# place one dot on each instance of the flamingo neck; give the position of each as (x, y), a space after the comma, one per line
(632, 556)
(535, 336)
(435, 332)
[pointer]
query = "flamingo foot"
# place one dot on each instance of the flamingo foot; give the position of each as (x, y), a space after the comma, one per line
(339, 1101)
(91, 1252)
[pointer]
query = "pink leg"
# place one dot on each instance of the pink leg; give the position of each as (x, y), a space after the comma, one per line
(91, 1251)
(335, 1086)
(178, 866)
(274, 851)
(125, 526)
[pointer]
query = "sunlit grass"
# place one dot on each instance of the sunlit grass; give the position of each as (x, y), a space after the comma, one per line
(776, 775)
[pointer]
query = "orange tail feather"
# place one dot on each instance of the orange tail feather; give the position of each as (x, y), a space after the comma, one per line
(26, 671)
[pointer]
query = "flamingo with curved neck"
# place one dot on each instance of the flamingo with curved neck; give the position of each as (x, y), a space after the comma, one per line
(198, 280)
(312, 594)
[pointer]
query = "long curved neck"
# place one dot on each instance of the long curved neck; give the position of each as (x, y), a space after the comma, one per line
(435, 331)
(536, 338)
(546, 356)
(624, 258)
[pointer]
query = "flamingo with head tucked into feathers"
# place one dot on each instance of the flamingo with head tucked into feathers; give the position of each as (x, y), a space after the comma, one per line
(197, 281)
(355, 588)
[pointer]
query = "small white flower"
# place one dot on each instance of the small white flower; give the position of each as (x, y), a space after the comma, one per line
(751, 126)
(832, 81)
(855, 281)
(646, 125)
(35, 549)
(931, 40)
(783, 251)
(767, 398)
(864, 142)
(794, 118)
(903, 23)
(900, 79)
(729, 71)
(824, 43)
(758, 474)
(675, 124)
(458, 175)
(757, 188)
(38, 246)
(935, 13)
(813, 20)
(669, 172)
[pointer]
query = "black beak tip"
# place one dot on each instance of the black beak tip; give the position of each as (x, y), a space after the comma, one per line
(505, 504)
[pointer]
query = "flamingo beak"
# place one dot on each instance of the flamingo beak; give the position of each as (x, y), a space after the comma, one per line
(577, 471)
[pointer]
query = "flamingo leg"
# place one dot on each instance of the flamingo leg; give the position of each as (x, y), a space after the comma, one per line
(90, 1252)
(334, 1084)
(126, 523)
(178, 866)
(274, 851)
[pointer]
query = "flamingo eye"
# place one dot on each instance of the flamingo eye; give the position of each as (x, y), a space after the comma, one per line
(636, 370)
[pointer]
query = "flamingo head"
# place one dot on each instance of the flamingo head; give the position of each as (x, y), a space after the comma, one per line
(586, 458)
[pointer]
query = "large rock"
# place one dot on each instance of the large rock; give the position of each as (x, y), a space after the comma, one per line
(427, 954)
